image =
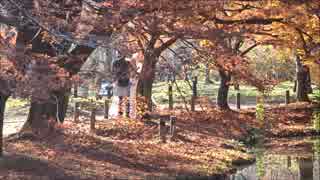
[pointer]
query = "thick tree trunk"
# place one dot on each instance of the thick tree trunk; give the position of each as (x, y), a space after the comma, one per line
(145, 90)
(222, 99)
(303, 84)
(42, 115)
(3, 100)
(63, 101)
(305, 168)
(55, 109)
(146, 79)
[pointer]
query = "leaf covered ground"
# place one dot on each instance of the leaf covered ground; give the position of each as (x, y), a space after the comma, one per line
(206, 143)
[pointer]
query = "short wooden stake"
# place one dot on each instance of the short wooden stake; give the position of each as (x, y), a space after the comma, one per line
(193, 99)
(75, 90)
(287, 100)
(194, 93)
(170, 97)
(162, 129)
(93, 120)
(238, 100)
(128, 107)
(106, 109)
(173, 120)
(76, 111)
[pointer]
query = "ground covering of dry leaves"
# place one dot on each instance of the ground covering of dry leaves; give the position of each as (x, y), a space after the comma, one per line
(205, 143)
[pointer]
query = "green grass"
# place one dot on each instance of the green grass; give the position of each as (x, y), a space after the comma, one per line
(16, 103)
(315, 95)
(160, 91)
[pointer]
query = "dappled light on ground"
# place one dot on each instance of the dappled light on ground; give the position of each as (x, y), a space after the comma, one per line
(205, 143)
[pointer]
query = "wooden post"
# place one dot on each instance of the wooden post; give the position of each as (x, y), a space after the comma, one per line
(238, 100)
(75, 90)
(93, 120)
(194, 93)
(173, 120)
(170, 96)
(106, 108)
(128, 107)
(76, 111)
(76, 104)
(162, 128)
(287, 100)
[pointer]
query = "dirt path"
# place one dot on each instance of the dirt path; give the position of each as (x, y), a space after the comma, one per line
(14, 119)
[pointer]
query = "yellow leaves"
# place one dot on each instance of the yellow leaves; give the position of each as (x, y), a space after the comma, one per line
(314, 68)
(274, 3)
(205, 43)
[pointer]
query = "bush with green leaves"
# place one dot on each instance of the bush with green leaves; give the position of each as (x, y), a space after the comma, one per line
(315, 96)
(316, 119)
(89, 103)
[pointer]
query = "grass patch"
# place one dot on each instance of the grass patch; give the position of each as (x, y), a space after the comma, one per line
(160, 91)
(16, 103)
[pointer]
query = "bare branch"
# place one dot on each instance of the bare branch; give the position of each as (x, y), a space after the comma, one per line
(249, 49)
(166, 44)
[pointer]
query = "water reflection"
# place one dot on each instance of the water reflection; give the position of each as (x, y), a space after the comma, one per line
(288, 165)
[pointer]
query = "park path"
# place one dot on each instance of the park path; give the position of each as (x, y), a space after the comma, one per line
(14, 118)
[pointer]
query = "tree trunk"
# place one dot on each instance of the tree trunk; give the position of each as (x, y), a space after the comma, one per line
(39, 111)
(145, 90)
(63, 102)
(146, 79)
(3, 100)
(207, 79)
(222, 99)
(302, 81)
(43, 114)
(305, 168)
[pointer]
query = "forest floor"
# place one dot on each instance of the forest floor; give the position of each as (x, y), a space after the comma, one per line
(207, 142)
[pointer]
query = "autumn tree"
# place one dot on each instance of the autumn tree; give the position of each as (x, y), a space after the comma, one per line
(8, 74)
(299, 31)
(49, 61)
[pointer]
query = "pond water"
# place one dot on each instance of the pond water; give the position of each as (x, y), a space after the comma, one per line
(285, 159)
(293, 160)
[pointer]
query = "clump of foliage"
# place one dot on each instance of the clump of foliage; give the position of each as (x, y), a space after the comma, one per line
(260, 112)
(260, 163)
(16, 103)
(316, 96)
(316, 147)
(89, 103)
(316, 120)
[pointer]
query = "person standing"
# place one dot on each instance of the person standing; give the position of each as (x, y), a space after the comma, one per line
(121, 85)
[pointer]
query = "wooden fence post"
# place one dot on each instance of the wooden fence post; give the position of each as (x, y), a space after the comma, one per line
(162, 129)
(127, 106)
(76, 104)
(75, 90)
(106, 108)
(287, 100)
(194, 93)
(76, 111)
(170, 96)
(238, 100)
(93, 119)
(173, 120)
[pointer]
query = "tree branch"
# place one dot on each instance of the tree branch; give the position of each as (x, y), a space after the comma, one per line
(254, 20)
(166, 44)
(248, 49)
(305, 46)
